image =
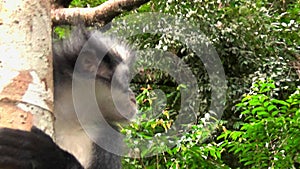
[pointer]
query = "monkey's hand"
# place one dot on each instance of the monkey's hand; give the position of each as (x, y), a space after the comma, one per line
(32, 150)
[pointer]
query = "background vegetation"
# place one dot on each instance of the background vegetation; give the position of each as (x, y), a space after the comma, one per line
(258, 43)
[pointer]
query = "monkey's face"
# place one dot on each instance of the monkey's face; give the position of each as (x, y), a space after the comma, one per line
(108, 62)
(98, 81)
(115, 99)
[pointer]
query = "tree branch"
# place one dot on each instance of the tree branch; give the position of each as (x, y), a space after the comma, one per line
(101, 15)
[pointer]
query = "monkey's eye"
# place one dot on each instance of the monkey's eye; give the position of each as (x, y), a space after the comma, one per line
(105, 79)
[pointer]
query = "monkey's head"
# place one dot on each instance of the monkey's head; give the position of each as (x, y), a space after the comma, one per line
(103, 62)
(108, 61)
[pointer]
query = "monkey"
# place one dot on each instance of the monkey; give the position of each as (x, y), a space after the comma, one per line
(86, 56)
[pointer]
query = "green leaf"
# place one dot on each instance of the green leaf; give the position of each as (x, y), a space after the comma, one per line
(238, 150)
(245, 112)
(240, 105)
(280, 102)
(263, 113)
(234, 135)
(271, 107)
(244, 159)
(258, 109)
(266, 103)
(218, 153)
(254, 102)
(275, 113)
(249, 162)
(212, 152)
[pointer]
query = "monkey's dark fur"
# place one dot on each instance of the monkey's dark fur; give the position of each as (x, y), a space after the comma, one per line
(73, 149)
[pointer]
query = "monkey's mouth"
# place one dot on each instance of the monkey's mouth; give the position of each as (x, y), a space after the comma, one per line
(132, 98)
(133, 101)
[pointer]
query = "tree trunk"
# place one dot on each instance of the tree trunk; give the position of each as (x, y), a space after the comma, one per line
(26, 83)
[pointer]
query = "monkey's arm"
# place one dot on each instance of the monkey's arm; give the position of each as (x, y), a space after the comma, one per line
(32, 150)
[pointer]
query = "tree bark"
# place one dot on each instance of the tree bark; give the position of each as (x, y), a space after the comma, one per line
(26, 83)
(101, 15)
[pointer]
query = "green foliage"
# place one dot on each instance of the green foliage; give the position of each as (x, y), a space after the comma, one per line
(270, 133)
(151, 119)
(86, 3)
(255, 40)
(61, 32)
(188, 151)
